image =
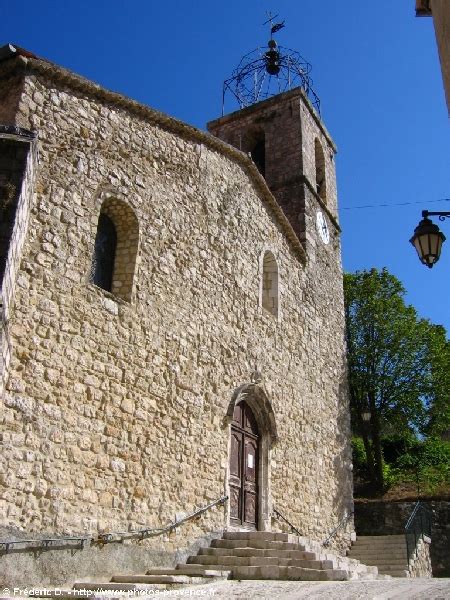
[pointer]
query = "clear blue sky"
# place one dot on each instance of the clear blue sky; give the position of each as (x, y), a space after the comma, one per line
(375, 68)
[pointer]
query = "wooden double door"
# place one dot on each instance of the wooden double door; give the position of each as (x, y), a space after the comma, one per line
(244, 458)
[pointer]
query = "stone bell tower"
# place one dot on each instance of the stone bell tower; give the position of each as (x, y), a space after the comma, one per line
(279, 126)
(283, 133)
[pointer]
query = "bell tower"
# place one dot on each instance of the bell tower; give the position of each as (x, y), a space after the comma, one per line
(279, 126)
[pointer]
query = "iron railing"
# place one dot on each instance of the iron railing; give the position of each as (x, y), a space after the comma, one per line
(277, 514)
(417, 526)
(103, 538)
(342, 523)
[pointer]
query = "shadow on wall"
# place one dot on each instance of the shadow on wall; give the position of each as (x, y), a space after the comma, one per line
(343, 497)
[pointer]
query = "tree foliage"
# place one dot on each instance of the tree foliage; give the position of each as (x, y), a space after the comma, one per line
(398, 366)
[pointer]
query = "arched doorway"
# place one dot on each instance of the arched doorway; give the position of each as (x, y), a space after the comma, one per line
(244, 467)
(253, 433)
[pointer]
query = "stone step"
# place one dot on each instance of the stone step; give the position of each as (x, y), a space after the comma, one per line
(297, 554)
(387, 567)
(150, 579)
(360, 568)
(379, 538)
(261, 544)
(399, 573)
(382, 544)
(394, 560)
(260, 536)
(362, 556)
(290, 573)
(198, 568)
(377, 549)
(362, 576)
(111, 587)
(260, 561)
(392, 549)
(191, 571)
(364, 550)
(381, 558)
(377, 563)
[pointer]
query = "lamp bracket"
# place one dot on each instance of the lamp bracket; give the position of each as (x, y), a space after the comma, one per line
(443, 214)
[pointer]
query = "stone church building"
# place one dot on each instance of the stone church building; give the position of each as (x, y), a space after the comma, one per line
(172, 328)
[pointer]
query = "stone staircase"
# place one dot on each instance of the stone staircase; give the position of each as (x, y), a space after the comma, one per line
(263, 555)
(386, 552)
(237, 555)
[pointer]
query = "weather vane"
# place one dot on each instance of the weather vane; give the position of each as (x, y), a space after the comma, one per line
(266, 72)
(273, 28)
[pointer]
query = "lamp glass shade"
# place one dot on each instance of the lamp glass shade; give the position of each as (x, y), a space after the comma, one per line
(428, 240)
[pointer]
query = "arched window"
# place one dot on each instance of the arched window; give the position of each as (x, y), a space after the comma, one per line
(115, 249)
(270, 292)
(253, 143)
(321, 184)
(104, 253)
(258, 153)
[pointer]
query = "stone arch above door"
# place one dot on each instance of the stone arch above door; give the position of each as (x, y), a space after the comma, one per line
(257, 399)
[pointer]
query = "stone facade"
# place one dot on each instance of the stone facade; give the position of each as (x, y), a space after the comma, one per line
(117, 404)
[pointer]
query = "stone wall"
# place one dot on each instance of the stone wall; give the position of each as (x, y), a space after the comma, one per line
(10, 93)
(389, 518)
(17, 163)
(114, 415)
(420, 564)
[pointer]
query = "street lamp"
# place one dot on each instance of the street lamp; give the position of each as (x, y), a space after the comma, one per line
(428, 239)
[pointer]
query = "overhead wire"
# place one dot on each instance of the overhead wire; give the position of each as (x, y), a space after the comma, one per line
(394, 204)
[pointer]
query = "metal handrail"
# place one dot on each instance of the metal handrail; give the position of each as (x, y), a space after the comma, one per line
(334, 531)
(105, 538)
(280, 516)
(417, 526)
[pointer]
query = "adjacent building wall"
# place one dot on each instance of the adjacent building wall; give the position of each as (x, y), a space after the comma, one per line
(440, 11)
(17, 164)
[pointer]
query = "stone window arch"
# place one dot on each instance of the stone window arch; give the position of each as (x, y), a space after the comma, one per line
(115, 248)
(321, 183)
(258, 152)
(253, 142)
(270, 284)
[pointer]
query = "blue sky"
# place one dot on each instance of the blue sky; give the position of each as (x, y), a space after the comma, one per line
(375, 69)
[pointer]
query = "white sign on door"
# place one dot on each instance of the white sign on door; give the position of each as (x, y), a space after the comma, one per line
(250, 461)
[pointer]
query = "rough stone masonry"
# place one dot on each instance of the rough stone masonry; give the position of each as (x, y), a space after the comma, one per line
(117, 404)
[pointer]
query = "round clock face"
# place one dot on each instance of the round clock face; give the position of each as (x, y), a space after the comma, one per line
(322, 227)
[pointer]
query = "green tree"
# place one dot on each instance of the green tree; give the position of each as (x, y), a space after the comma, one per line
(438, 417)
(396, 371)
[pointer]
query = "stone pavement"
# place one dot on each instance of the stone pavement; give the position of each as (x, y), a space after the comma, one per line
(389, 589)
(398, 589)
